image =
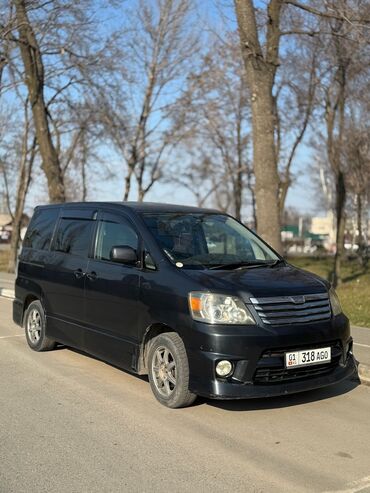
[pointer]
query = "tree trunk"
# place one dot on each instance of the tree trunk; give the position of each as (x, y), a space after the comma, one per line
(360, 240)
(127, 184)
(264, 163)
(260, 70)
(238, 182)
(359, 219)
(83, 175)
(34, 74)
(238, 192)
(6, 189)
(283, 192)
(140, 195)
(22, 189)
(341, 222)
(253, 199)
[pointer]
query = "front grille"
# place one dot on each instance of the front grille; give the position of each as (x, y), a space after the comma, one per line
(293, 309)
(271, 366)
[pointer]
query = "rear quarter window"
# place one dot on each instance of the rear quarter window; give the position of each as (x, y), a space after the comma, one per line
(40, 230)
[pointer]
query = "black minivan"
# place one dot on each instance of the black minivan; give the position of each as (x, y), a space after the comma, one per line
(189, 296)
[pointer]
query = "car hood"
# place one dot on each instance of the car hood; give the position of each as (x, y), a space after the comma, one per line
(281, 280)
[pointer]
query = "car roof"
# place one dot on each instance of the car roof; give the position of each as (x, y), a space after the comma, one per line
(154, 207)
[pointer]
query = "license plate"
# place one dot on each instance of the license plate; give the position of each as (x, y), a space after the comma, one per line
(308, 357)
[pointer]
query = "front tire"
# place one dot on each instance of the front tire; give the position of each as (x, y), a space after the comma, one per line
(168, 370)
(35, 328)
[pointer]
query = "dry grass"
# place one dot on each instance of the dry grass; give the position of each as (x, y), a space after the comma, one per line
(4, 260)
(354, 292)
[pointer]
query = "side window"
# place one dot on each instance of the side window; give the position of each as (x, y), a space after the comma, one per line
(114, 234)
(149, 262)
(74, 236)
(41, 229)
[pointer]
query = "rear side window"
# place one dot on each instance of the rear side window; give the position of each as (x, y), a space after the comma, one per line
(73, 236)
(114, 234)
(40, 230)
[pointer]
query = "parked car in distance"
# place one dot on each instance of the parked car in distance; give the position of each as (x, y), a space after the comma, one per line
(189, 296)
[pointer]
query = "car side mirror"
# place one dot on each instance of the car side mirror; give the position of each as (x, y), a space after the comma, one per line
(123, 254)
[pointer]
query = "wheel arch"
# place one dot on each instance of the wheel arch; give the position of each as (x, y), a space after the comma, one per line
(28, 300)
(151, 332)
(27, 291)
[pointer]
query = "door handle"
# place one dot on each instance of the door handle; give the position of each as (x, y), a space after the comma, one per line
(91, 276)
(78, 273)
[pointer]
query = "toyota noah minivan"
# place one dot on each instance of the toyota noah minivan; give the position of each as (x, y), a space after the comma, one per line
(188, 296)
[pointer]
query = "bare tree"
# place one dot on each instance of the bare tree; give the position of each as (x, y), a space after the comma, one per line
(34, 78)
(357, 152)
(214, 113)
(260, 45)
(261, 66)
(17, 155)
(295, 100)
(28, 150)
(345, 46)
(149, 65)
(60, 50)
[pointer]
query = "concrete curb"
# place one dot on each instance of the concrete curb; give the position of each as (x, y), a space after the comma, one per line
(7, 293)
(364, 374)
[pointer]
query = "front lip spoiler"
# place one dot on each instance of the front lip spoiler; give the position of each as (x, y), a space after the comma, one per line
(231, 391)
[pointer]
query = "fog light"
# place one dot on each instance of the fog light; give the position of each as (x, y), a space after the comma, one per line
(224, 368)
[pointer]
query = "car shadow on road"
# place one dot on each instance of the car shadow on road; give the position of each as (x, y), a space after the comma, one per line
(286, 400)
(101, 360)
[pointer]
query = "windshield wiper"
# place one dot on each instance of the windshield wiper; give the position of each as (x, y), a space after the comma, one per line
(238, 265)
(276, 262)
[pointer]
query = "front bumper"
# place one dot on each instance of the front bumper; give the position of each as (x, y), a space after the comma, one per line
(247, 348)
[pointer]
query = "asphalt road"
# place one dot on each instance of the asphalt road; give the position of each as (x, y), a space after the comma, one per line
(70, 423)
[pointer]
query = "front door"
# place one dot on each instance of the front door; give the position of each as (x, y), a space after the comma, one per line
(111, 294)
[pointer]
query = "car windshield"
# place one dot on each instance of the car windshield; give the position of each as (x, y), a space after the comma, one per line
(197, 241)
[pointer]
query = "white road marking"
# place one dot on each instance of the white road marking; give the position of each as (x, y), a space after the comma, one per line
(354, 486)
(9, 337)
(362, 345)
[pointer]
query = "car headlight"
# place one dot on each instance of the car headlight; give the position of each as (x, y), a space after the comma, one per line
(334, 301)
(215, 308)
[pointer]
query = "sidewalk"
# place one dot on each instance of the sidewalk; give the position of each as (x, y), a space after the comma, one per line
(7, 285)
(361, 349)
(361, 335)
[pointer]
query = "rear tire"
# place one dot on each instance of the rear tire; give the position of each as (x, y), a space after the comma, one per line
(35, 328)
(168, 371)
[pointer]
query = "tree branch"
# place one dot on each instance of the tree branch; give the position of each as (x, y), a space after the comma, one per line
(328, 15)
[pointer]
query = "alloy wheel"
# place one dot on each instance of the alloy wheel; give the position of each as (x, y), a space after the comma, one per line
(164, 371)
(34, 326)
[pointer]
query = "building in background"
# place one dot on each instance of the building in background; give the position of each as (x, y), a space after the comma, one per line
(297, 240)
(5, 228)
(325, 226)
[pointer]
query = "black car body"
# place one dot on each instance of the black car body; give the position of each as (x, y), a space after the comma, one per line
(114, 310)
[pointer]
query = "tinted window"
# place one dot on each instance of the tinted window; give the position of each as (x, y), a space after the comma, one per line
(114, 234)
(40, 230)
(74, 236)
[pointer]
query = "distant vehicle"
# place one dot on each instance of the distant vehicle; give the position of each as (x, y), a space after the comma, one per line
(189, 296)
(5, 236)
